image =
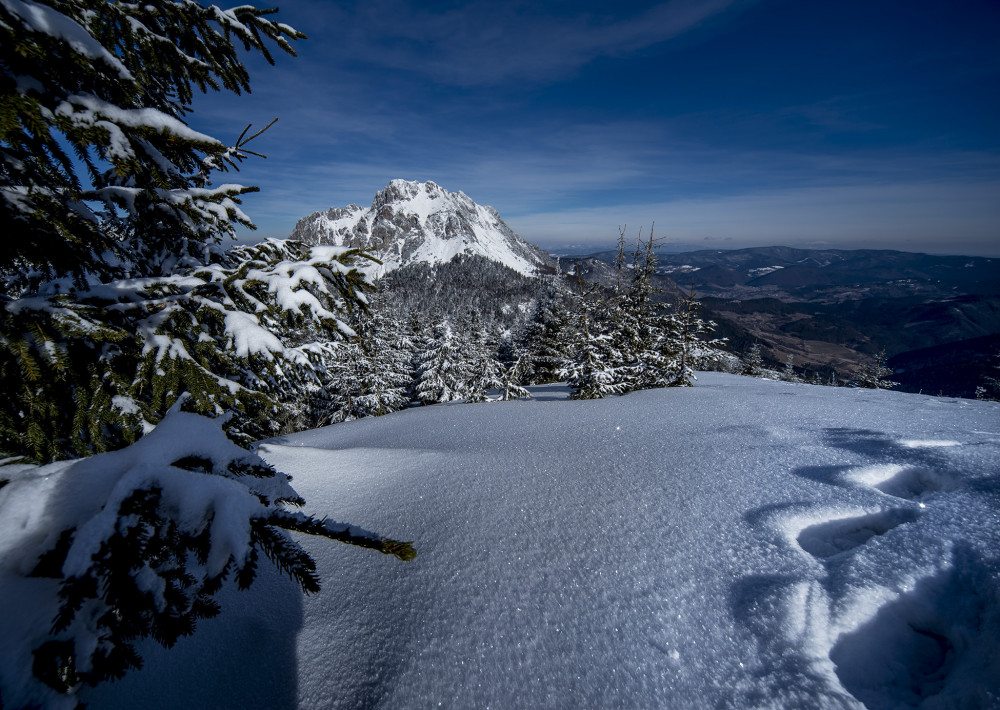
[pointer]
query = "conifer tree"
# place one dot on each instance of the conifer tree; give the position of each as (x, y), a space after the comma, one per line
(690, 346)
(369, 375)
(788, 373)
(511, 379)
(502, 368)
(483, 363)
(654, 337)
(546, 337)
(753, 364)
(589, 369)
(875, 374)
(442, 374)
(661, 348)
(101, 180)
(989, 390)
(91, 371)
(100, 173)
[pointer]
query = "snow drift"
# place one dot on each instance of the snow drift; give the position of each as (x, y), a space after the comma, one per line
(741, 543)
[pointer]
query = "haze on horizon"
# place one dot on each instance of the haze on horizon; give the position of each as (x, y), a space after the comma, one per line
(728, 123)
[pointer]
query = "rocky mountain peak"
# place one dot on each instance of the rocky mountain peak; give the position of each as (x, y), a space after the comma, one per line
(410, 221)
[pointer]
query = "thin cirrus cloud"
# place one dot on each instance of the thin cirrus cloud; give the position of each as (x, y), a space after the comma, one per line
(490, 43)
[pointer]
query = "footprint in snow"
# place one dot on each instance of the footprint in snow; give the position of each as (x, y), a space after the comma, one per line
(906, 482)
(891, 654)
(939, 636)
(840, 535)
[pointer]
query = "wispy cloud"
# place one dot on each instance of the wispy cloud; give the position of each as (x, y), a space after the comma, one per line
(485, 43)
(495, 99)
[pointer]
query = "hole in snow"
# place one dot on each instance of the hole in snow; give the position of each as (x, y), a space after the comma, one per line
(843, 534)
(915, 483)
(908, 482)
(933, 641)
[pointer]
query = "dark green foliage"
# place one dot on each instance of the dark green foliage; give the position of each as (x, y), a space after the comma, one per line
(875, 375)
(144, 541)
(97, 168)
(118, 312)
(85, 372)
(58, 398)
(547, 336)
(753, 364)
(369, 375)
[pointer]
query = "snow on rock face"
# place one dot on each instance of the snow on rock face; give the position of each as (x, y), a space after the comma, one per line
(421, 222)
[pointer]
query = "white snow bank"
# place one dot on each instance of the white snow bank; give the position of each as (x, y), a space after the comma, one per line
(726, 545)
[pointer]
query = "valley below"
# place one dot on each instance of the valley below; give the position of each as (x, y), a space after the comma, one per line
(936, 317)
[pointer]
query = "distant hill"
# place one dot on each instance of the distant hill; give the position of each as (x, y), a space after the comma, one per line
(936, 316)
(954, 368)
(831, 274)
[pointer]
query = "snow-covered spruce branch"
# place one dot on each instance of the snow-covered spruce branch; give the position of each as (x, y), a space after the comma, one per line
(350, 534)
(134, 544)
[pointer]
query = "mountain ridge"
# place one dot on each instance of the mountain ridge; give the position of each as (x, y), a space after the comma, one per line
(421, 222)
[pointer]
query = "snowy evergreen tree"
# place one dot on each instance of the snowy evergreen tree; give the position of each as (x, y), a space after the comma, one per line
(547, 337)
(369, 376)
(875, 375)
(663, 343)
(753, 364)
(100, 173)
(512, 377)
(658, 348)
(590, 369)
(92, 370)
(503, 368)
(788, 373)
(628, 340)
(123, 323)
(483, 363)
(487, 374)
(442, 371)
(989, 390)
(691, 347)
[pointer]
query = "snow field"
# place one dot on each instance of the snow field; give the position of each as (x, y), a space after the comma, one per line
(741, 543)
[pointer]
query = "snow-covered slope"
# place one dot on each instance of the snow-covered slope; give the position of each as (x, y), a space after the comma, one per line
(742, 543)
(421, 222)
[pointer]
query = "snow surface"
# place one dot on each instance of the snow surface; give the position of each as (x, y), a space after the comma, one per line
(741, 543)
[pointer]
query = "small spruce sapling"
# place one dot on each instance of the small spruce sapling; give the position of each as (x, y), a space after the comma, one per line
(753, 364)
(875, 374)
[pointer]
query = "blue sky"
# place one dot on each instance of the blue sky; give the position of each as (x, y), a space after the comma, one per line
(729, 123)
